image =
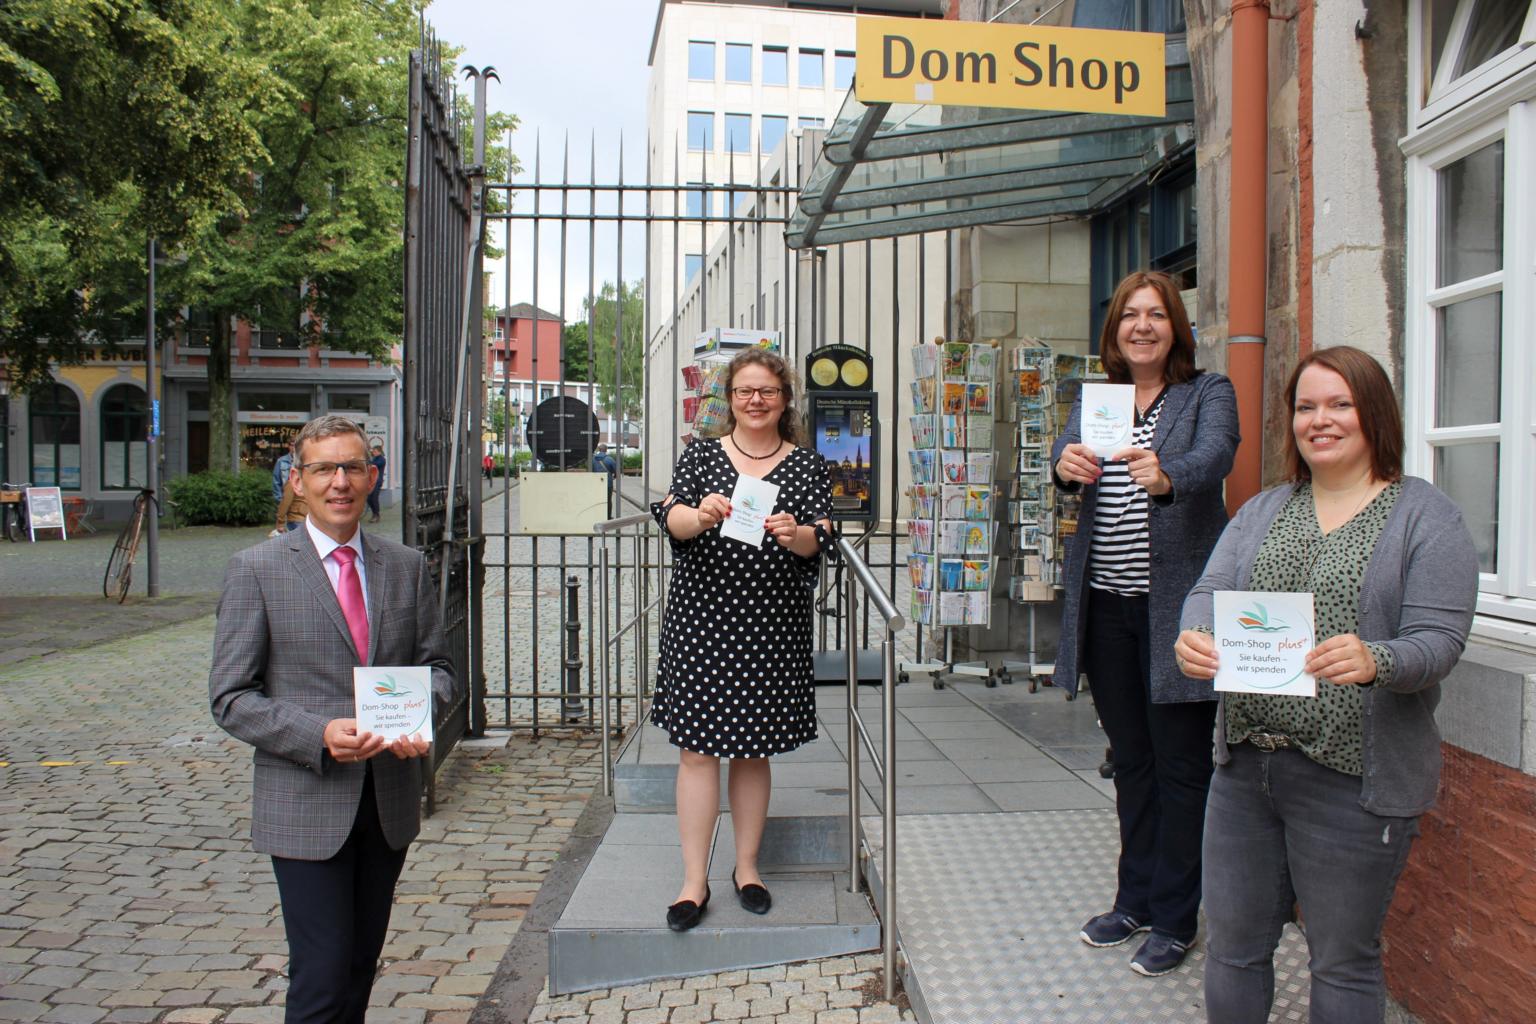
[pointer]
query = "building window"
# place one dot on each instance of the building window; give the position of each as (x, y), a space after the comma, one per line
(701, 129)
(275, 338)
(1468, 403)
(272, 401)
(738, 133)
(197, 331)
(738, 62)
(124, 430)
(54, 454)
(692, 263)
(842, 71)
(350, 401)
(1153, 227)
(810, 69)
(811, 122)
(775, 65)
(701, 61)
(774, 128)
(695, 199)
(1467, 46)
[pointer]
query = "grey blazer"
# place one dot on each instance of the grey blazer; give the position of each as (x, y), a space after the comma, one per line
(1195, 440)
(1416, 598)
(282, 668)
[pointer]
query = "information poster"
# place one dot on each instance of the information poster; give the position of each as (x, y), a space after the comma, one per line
(394, 701)
(845, 429)
(1262, 641)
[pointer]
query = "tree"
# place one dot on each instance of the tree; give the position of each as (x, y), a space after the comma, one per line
(574, 337)
(315, 246)
(607, 326)
(119, 119)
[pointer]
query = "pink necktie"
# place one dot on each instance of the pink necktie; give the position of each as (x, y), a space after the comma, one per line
(350, 591)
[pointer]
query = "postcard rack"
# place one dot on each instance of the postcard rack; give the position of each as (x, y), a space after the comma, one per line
(951, 525)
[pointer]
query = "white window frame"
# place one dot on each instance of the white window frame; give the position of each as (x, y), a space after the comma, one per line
(1444, 92)
(1506, 109)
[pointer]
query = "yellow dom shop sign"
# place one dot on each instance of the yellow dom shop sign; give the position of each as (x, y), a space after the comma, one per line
(1032, 67)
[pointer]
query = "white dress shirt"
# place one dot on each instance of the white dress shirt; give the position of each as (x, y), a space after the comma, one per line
(324, 545)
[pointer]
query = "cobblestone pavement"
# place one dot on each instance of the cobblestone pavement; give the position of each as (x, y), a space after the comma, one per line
(129, 893)
(841, 990)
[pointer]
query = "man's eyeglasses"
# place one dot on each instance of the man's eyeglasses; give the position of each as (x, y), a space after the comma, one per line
(768, 394)
(356, 469)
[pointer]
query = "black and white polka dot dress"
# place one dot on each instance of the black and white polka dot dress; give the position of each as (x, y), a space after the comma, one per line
(734, 677)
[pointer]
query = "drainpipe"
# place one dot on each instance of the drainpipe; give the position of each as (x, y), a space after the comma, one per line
(1248, 240)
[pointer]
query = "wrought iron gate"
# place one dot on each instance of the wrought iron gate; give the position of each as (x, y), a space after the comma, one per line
(444, 222)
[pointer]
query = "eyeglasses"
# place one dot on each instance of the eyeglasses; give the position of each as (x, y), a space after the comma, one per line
(356, 469)
(768, 394)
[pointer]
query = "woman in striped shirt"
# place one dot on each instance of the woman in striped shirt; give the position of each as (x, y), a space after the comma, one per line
(1151, 515)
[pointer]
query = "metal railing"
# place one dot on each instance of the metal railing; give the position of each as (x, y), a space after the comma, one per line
(883, 759)
(612, 634)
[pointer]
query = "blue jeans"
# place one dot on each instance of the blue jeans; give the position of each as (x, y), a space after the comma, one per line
(1281, 829)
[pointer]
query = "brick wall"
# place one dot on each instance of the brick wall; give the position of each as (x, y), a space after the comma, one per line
(1460, 942)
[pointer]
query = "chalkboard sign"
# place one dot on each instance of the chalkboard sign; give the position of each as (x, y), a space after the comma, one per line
(45, 510)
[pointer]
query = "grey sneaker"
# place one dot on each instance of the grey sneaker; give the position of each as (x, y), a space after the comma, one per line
(1158, 955)
(1110, 929)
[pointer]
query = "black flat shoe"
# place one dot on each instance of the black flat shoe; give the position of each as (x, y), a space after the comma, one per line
(755, 899)
(684, 914)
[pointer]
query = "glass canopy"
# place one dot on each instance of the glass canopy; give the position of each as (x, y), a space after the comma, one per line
(890, 169)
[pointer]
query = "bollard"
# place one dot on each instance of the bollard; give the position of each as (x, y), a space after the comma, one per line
(570, 706)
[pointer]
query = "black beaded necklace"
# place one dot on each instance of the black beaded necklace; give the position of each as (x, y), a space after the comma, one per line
(757, 458)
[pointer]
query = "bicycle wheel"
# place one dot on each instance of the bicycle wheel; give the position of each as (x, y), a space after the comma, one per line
(13, 530)
(120, 564)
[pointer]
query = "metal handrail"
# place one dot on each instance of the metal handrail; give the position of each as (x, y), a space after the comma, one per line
(611, 637)
(884, 760)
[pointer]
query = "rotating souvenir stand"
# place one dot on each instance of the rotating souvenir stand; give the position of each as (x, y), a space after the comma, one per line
(951, 526)
(1044, 384)
(705, 405)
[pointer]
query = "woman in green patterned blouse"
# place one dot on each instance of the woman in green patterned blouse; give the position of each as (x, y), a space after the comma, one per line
(1316, 800)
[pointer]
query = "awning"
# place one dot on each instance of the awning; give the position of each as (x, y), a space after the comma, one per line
(891, 169)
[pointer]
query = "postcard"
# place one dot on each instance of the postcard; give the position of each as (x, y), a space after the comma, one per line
(751, 504)
(393, 701)
(1262, 641)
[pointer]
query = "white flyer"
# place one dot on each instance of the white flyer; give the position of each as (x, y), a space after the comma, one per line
(1108, 412)
(393, 701)
(1262, 641)
(751, 503)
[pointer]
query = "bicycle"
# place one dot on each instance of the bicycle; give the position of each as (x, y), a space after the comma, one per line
(13, 512)
(119, 577)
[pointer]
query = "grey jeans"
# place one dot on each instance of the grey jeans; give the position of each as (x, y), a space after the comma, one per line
(1281, 829)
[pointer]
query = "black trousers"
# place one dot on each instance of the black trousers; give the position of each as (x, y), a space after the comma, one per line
(336, 914)
(1162, 759)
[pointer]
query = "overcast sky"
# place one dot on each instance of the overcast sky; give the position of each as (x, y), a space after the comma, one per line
(566, 67)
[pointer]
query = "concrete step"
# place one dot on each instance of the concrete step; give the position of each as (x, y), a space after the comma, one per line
(613, 930)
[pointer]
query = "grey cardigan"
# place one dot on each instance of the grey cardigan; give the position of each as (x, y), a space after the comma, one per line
(1416, 598)
(1195, 440)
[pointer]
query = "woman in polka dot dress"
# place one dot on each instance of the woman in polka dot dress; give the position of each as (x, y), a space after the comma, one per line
(734, 677)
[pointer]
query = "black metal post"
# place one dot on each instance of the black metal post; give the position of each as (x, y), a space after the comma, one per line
(571, 706)
(152, 445)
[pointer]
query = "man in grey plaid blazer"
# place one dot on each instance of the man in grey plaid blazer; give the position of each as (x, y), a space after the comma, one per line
(335, 808)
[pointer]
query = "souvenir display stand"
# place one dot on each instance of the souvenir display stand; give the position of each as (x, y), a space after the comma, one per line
(1044, 385)
(951, 524)
(705, 405)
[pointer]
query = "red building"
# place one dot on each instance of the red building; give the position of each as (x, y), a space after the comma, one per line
(510, 341)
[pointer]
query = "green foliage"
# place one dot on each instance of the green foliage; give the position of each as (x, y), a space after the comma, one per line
(607, 324)
(633, 462)
(224, 499)
(574, 339)
(119, 119)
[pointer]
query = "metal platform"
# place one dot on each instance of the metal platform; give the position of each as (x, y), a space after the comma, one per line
(613, 930)
(990, 909)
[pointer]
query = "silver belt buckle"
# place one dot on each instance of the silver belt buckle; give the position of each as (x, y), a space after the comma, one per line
(1269, 742)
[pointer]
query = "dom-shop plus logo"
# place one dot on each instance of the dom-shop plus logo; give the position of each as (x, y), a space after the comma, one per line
(1107, 419)
(1258, 620)
(388, 688)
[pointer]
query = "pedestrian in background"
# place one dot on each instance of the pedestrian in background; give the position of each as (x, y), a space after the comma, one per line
(298, 614)
(734, 677)
(292, 510)
(1316, 800)
(378, 483)
(488, 464)
(1150, 516)
(280, 472)
(603, 462)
